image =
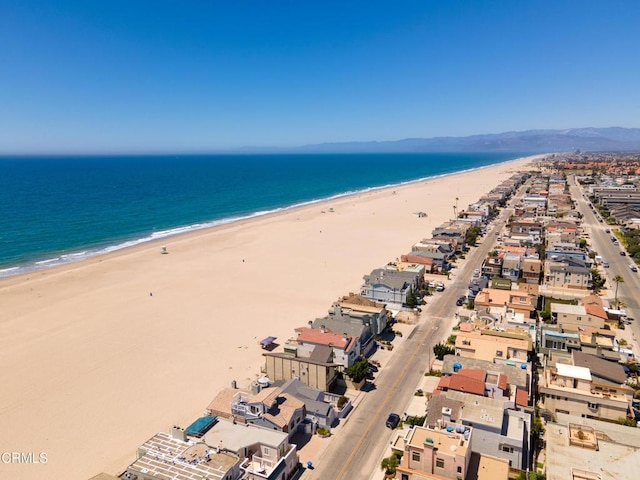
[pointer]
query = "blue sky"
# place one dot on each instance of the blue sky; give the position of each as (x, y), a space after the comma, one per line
(158, 76)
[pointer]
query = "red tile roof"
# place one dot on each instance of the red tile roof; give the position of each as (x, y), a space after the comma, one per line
(319, 337)
(474, 373)
(522, 397)
(595, 310)
(461, 383)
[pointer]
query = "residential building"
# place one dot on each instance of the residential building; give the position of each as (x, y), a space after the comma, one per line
(516, 300)
(571, 389)
(494, 346)
(176, 457)
(564, 314)
(266, 454)
(360, 309)
(498, 429)
(532, 270)
(431, 451)
(269, 408)
(568, 274)
(388, 287)
(579, 448)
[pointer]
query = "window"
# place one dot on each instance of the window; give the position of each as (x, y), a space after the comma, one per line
(506, 448)
(459, 469)
(498, 353)
(594, 405)
(440, 462)
(265, 451)
(415, 456)
(405, 476)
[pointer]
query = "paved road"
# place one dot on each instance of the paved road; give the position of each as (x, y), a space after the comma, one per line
(356, 452)
(629, 291)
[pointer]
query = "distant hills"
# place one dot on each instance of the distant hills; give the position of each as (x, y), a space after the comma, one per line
(529, 141)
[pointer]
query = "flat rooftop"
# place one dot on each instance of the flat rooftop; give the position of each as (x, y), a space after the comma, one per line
(233, 437)
(168, 458)
(445, 441)
(566, 458)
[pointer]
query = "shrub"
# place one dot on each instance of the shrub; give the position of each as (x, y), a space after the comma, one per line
(323, 431)
(440, 350)
(342, 401)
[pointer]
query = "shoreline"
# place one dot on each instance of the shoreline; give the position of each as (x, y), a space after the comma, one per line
(122, 345)
(64, 258)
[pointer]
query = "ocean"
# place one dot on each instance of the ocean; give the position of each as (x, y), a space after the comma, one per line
(56, 210)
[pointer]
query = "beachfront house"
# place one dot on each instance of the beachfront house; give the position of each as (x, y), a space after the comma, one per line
(267, 454)
(315, 356)
(388, 287)
(269, 408)
(362, 310)
(176, 457)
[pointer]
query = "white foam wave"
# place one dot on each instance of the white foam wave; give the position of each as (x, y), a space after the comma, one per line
(77, 256)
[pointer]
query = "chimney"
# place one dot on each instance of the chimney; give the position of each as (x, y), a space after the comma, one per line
(345, 337)
(310, 324)
(178, 433)
(323, 329)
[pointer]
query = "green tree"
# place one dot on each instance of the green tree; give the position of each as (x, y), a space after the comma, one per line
(358, 371)
(412, 298)
(440, 350)
(451, 339)
(389, 464)
(618, 279)
(583, 242)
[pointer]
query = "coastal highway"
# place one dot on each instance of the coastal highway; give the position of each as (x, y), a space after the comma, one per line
(355, 452)
(618, 265)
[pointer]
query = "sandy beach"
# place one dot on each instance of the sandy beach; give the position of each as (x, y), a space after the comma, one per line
(99, 355)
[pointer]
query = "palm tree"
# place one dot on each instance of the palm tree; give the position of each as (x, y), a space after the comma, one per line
(618, 279)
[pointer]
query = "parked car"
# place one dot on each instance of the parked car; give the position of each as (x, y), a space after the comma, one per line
(605, 264)
(461, 300)
(633, 268)
(607, 230)
(440, 287)
(623, 253)
(393, 420)
(476, 273)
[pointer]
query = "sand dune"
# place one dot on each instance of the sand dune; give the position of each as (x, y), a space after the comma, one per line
(97, 356)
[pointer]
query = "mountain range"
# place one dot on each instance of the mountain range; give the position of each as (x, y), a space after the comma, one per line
(529, 141)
